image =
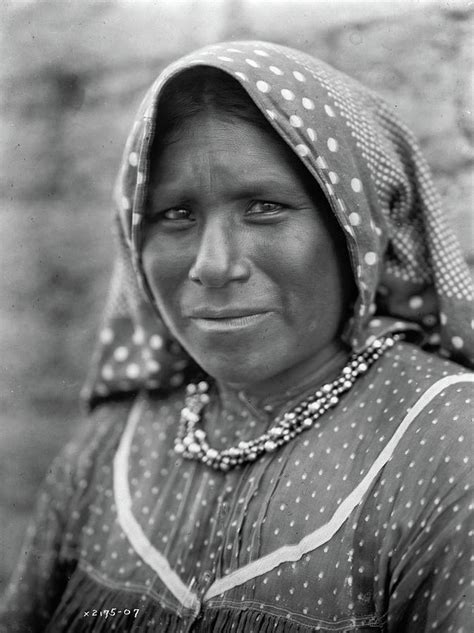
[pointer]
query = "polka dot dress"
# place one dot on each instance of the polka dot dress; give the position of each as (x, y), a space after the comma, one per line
(360, 524)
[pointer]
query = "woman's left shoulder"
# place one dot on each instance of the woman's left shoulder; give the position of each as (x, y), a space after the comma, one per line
(437, 419)
(431, 381)
(429, 401)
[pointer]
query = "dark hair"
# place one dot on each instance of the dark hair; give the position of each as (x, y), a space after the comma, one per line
(203, 89)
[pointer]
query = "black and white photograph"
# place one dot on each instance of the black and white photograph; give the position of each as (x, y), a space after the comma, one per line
(236, 316)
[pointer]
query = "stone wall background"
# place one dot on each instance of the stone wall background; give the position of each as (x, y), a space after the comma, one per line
(71, 77)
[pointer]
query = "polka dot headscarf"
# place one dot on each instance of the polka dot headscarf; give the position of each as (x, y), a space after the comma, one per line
(407, 265)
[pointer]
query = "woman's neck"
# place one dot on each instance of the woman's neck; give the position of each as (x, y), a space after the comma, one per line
(273, 396)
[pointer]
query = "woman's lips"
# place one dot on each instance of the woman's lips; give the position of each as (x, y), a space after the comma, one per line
(220, 324)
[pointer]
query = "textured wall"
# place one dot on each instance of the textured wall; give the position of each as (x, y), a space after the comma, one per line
(72, 75)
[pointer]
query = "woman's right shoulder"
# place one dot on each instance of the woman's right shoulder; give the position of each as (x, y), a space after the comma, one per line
(92, 444)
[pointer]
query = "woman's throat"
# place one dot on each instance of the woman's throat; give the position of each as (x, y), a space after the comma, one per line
(282, 391)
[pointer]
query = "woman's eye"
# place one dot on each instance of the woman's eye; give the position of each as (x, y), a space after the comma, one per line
(264, 207)
(176, 214)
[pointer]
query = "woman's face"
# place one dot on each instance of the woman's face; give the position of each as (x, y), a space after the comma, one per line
(242, 255)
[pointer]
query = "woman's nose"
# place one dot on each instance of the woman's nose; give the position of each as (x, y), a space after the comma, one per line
(219, 259)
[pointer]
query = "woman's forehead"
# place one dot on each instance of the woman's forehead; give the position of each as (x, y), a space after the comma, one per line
(216, 145)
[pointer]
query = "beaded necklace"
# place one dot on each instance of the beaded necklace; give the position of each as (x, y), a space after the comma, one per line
(191, 441)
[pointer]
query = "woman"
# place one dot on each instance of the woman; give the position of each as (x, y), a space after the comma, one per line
(271, 449)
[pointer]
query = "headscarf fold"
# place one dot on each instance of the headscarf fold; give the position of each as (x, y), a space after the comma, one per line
(407, 264)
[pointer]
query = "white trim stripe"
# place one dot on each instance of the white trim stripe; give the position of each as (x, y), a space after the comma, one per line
(291, 553)
(132, 529)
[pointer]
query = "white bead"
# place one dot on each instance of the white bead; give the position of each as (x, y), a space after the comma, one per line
(269, 446)
(189, 415)
(194, 448)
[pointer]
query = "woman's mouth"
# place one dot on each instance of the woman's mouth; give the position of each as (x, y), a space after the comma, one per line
(210, 324)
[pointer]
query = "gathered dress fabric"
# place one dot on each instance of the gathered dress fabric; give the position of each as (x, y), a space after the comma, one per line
(360, 523)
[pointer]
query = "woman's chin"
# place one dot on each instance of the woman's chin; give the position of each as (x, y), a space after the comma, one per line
(237, 369)
(242, 356)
